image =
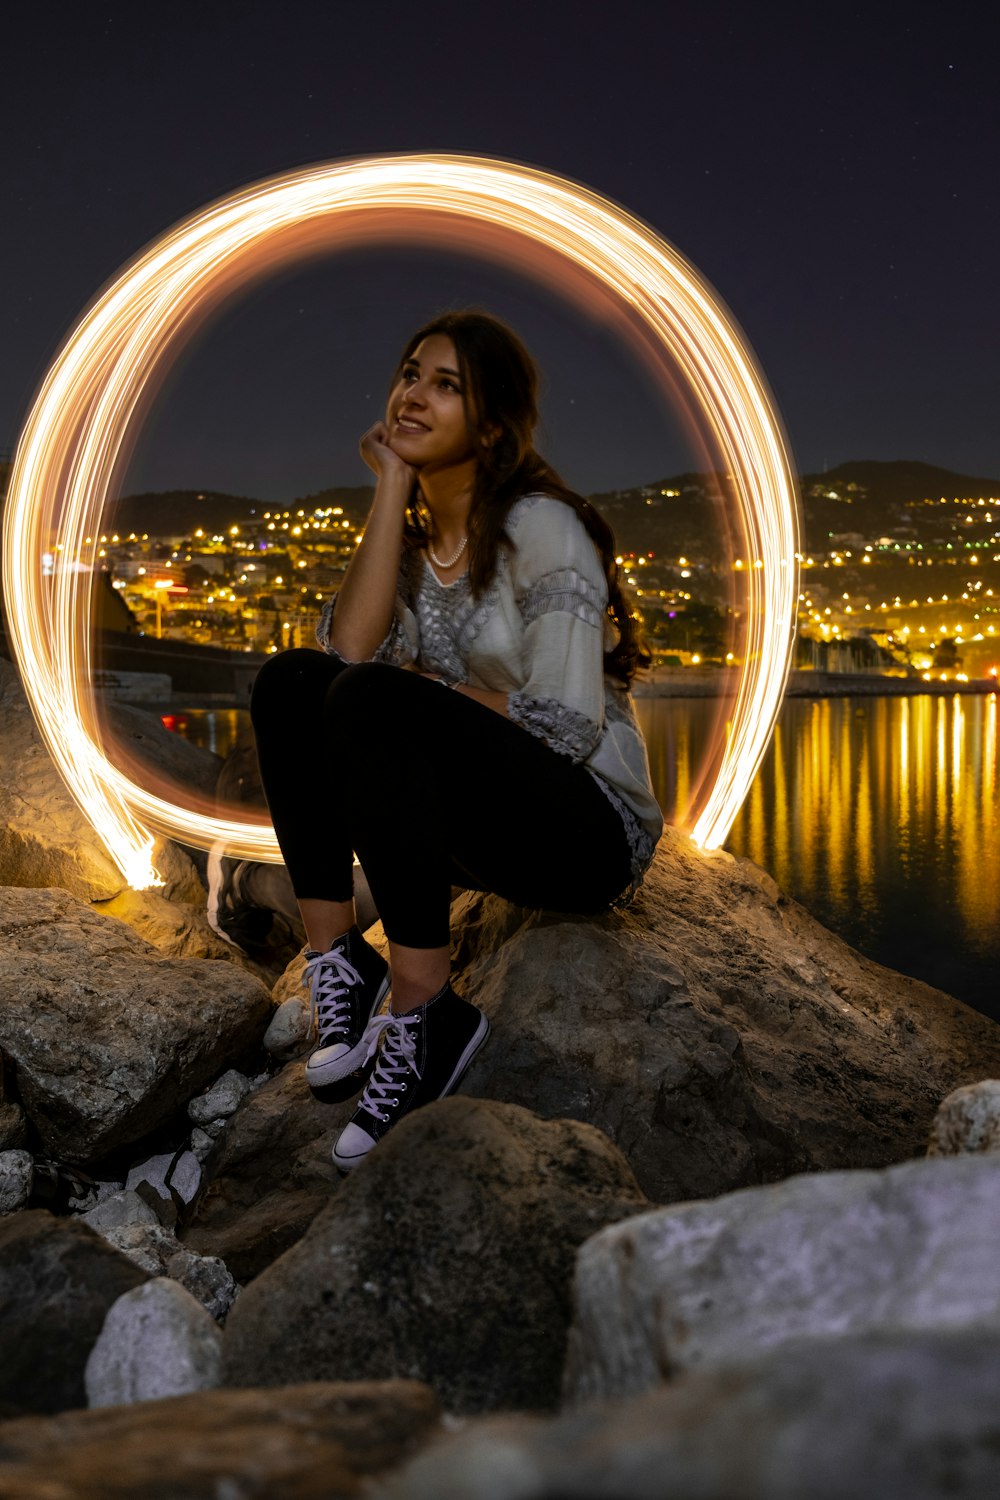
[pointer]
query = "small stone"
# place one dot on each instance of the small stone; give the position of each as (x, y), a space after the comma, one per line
(17, 1171)
(156, 1341)
(968, 1121)
(207, 1278)
(221, 1100)
(180, 1172)
(215, 1128)
(119, 1211)
(289, 1030)
(201, 1143)
(156, 1250)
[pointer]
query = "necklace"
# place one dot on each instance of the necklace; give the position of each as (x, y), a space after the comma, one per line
(444, 566)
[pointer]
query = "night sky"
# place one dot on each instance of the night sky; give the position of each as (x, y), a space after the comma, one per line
(832, 170)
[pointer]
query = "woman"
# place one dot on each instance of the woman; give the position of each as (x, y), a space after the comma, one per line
(507, 759)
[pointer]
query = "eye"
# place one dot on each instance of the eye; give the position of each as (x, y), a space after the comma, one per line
(449, 385)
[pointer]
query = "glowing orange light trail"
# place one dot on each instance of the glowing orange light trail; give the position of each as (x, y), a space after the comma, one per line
(77, 432)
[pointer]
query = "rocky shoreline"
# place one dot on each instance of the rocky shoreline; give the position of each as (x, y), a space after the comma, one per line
(698, 1225)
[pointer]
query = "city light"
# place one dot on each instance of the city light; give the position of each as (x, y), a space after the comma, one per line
(87, 412)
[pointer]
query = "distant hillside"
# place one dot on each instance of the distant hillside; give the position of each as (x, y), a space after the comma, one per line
(182, 512)
(676, 515)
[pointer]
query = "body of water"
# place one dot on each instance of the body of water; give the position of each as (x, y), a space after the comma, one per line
(880, 815)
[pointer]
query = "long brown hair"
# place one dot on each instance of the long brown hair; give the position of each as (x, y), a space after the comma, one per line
(500, 393)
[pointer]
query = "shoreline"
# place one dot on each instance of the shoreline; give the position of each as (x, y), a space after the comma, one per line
(690, 682)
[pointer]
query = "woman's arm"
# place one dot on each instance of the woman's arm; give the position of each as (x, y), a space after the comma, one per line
(367, 597)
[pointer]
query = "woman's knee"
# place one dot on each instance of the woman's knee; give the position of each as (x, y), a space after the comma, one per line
(287, 680)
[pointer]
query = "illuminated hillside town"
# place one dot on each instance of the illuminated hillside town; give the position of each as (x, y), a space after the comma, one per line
(889, 585)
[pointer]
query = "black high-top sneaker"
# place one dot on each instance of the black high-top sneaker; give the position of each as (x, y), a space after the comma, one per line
(346, 987)
(422, 1056)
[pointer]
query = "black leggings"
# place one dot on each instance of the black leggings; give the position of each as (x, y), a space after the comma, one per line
(430, 789)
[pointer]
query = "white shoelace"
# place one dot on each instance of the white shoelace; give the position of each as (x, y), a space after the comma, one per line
(330, 976)
(397, 1057)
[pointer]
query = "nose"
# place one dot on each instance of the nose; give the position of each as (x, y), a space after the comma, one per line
(414, 394)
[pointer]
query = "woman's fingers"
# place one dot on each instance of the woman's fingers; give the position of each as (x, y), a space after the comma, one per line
(379, 456)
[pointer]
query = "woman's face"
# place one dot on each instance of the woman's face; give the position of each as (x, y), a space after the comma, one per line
(426, 414)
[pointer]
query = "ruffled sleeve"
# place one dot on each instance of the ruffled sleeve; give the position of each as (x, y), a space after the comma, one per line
(561, 592)
(399, 648)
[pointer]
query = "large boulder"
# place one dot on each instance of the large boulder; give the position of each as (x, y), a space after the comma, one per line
(715, 1031)
(306, 1442)
(57, 1281)
(890, 1416)
(446, 1257)
(45, 840)
(835, 1253)
(107, 1037)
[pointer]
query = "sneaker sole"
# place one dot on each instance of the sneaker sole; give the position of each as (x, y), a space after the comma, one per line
(213, 874)
(479, 1037)
(349, 1062)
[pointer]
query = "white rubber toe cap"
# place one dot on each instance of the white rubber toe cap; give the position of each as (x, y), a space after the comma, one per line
(352, 1145)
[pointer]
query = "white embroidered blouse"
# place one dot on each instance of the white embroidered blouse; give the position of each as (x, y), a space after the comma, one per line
(538, 634)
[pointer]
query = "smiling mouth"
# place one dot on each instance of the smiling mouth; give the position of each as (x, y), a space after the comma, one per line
(406, 425)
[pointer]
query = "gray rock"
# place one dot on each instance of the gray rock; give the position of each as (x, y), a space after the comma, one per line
(270, 1176)
(709, 1284)
(221, 1100)
(156, 1341)
(885, 1417)
(446, 1257)
(202, 1144)
(13, 1126)
(17, 1171)
(305, 1442)
(714, 1030)
(57, 1280)
(156, 1250)
(968, 1121)
(119, 1211)
(175, 1171)
(290, 1030)
(44, 838)
(108, 1038)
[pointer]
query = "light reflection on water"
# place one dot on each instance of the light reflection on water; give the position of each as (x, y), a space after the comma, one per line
(880, 815)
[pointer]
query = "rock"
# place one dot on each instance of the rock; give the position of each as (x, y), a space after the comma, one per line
(156, 1250)
(270, 1176)
(139, 743)
(290, 1031)
(174, 1172)
(202, 1145)
(108, 1038)
(176, 929)
(45, 840)
(119, 1211)
(156, 1341)
(968, 1121)
(13, 1126)
(885, 1417)
(221, 1100)
(17, 1170)
(57, 1280)
(714, 1030)
(446, 1257)
(709, 1284)
(306, 1442)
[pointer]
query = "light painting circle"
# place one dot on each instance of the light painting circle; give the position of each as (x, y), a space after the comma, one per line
(90, 401)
